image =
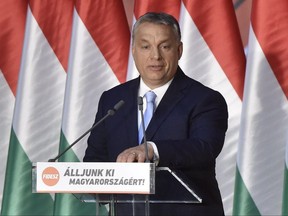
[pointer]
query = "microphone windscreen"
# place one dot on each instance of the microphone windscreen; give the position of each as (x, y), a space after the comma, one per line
(119, 105)
(140, 100)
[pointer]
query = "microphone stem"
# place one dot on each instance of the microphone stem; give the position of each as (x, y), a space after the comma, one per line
(140, 103)
(76, 141)
(110, 112)
(144, 139)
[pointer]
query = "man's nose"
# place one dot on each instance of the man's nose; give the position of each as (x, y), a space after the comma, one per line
(155, 53)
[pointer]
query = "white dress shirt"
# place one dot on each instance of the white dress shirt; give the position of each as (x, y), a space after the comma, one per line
(160, 91)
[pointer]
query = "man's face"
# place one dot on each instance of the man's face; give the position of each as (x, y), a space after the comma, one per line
(156, 52)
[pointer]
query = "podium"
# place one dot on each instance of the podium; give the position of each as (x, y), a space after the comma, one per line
(132, 186)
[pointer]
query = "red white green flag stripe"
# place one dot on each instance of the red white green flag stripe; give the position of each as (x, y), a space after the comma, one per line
(39, 102)
(96, 26)
(263, 133)
(204, 26)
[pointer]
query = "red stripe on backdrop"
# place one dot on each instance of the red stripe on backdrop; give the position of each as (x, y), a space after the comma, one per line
(107, 23)
(55, 19)
(271, 30)
(218, 26)
(12, 25)
(168, 6)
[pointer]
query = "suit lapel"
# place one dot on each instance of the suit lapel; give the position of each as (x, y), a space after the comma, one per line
(173, 95)
(131, 114)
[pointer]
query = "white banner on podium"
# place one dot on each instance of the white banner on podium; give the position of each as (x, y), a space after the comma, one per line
(77, 177)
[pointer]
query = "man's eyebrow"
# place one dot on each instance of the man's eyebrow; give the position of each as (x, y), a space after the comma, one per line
(163, 41)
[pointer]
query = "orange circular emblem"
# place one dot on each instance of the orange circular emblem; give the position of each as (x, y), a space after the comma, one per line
(50, 176)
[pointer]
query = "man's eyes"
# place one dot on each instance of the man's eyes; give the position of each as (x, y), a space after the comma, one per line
(145, 47)
(164, 47)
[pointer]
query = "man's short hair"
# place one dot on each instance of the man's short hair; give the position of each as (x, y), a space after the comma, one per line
(158, 18)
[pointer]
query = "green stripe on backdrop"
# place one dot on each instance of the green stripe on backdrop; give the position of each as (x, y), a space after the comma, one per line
(18, 198)
(285, 193)
(243, 203)
(67, 204)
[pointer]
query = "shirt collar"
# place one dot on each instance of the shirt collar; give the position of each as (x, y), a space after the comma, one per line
(160, 91)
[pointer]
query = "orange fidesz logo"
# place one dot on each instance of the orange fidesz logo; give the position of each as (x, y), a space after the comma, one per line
(50, 176)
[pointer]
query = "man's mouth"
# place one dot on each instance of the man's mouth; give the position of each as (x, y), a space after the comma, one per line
(156, 67)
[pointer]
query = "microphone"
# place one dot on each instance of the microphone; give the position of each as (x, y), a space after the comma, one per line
(110, 112)
(140, 105)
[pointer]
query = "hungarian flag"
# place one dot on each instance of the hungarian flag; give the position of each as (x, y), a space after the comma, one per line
(263, 132)
(213, 54)
(48, 98)
(11, 42)
(38, 108)
(98, 61)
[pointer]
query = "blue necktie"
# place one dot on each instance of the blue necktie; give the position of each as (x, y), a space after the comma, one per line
(150, 107)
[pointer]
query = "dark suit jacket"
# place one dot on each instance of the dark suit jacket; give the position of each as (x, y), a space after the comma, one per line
(188, 127)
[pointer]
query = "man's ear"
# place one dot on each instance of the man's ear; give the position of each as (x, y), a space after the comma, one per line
(133, 50)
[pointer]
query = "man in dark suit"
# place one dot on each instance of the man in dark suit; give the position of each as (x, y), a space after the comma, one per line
(187, 130)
